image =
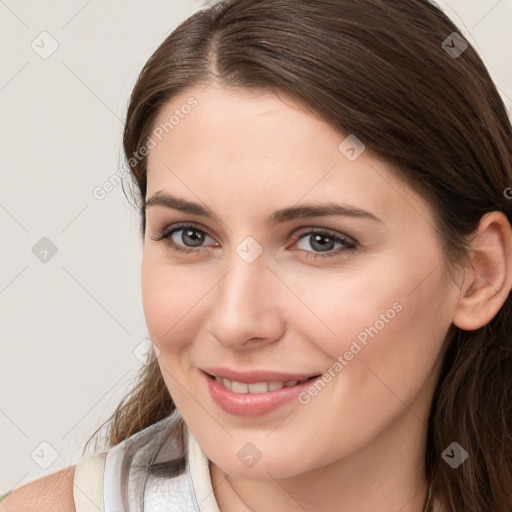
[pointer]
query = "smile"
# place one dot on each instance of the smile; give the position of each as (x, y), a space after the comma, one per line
(264, 394)
(257, 387)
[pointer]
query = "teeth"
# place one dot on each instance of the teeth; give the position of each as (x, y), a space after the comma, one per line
(239, 387)
(275, 385)
(256, 387)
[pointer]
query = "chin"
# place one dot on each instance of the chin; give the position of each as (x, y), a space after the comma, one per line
(279, 464)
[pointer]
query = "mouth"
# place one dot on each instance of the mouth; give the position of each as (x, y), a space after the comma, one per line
(260, 396)
(257, 387)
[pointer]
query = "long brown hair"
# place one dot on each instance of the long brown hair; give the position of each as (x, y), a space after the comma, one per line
(380, 69)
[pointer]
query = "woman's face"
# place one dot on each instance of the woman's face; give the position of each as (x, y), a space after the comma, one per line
(359, 301)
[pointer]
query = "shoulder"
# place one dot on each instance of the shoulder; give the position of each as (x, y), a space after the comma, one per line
(52, 493)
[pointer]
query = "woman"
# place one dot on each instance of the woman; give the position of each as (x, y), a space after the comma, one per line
(327, 261)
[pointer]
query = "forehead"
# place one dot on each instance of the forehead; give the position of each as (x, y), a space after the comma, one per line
(235, 122)
(240, 147)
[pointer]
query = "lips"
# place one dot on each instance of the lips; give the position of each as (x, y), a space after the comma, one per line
(254, 393)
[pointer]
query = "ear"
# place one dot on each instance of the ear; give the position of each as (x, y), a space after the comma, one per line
(488, 278)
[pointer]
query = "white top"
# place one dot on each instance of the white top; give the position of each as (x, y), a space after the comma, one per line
(101, 480)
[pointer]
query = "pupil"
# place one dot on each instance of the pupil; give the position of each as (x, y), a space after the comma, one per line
(322, 246)
(196, 240)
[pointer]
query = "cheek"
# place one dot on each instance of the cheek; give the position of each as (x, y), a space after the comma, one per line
(334, 309)
(176, 302)
(166, 298)
(386, 330)
(392, 352)
(386, 368)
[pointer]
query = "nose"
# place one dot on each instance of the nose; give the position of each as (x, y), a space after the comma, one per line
(246, 313)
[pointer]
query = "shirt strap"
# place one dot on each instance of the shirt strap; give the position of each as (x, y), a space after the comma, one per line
(200, 474)
(88, 484)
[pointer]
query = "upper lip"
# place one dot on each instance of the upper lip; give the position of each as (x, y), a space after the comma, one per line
(252, 376)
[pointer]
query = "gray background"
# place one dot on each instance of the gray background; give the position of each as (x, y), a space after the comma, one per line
(71, 323)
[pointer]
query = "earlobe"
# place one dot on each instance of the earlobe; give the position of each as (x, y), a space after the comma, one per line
(488, 279)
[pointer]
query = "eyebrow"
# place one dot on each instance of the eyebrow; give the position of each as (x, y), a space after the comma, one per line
(279, 216)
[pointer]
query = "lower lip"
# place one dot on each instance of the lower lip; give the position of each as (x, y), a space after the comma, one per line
(252, 405)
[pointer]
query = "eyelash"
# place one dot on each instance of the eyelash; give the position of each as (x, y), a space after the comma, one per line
(348, 244)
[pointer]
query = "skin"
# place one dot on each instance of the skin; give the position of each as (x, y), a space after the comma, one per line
(359, 443)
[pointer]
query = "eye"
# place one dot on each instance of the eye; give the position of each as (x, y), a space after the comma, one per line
(190, 235)
(188, 238)
(324, 241)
